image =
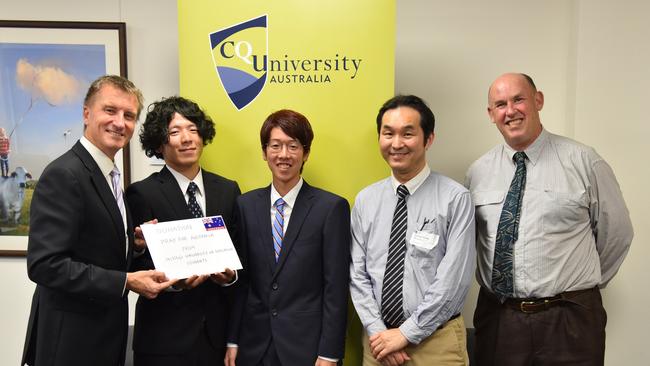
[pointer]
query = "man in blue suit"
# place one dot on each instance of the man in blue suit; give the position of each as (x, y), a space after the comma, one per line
(295, 242)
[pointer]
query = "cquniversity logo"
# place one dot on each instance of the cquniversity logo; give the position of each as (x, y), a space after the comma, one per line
(239, 54)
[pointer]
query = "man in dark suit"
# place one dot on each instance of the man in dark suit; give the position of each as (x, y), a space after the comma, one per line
(186, 327)
(79, 248)
(293, 290)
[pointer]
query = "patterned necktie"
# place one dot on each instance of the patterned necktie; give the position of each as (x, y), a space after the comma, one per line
(507, 232)
(192, 203)
(117, 190)
(391, 298)
(278, 227)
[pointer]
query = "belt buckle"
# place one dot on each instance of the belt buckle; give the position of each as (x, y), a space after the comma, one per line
(524, 303)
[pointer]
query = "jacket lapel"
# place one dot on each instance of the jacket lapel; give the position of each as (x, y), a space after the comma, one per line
(173, 194)
(299, 213)
(212, 202)
(105, 193)
(263, 220)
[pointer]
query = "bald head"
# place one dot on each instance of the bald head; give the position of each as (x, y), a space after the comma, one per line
(513, 106)
(525, 77)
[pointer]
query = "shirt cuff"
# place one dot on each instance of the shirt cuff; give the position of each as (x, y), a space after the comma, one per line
(138, 253)
(231, 282)
(328, 359)
(232, 345)
(376, 327)
(124, 290)
(412, 332)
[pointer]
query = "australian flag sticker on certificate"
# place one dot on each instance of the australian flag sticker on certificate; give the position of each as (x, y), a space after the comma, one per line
(189, 247)
(213, 223)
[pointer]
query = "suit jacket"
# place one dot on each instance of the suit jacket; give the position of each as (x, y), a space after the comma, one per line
(172, 322)
(77, 256)
(300, 302)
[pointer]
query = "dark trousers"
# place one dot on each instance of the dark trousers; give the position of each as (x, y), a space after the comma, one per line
(270, 357)
(571, 333)
(201, 354)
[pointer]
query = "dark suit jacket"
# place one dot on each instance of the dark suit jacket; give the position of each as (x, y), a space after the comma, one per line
(77, 255)
(301, 302)
(172, 322)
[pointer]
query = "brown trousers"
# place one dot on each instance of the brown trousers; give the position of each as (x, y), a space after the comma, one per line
(445, 347)
(571, 333)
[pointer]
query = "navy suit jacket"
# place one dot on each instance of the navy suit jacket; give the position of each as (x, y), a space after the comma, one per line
(77, 256)
(172, 322)
(300, 302)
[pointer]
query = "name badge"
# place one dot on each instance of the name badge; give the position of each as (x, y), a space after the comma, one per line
(424, 239)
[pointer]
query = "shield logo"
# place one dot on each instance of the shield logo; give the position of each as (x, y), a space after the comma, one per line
(239, 54)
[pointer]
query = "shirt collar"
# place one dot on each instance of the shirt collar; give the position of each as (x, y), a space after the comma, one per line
(104, 162)
(183, 182)
(414, 183)
(533, 151)
(290, 197)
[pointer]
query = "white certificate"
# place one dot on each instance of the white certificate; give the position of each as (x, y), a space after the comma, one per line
(184, 248)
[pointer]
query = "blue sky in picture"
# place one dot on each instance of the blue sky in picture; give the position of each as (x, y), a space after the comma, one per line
(42, 87)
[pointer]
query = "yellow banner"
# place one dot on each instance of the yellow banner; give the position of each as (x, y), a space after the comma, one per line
(332, 61)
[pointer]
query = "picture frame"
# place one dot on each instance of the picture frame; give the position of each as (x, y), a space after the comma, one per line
(45, 70)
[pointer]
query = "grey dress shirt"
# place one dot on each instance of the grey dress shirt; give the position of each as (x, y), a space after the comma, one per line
(438, 265)
(575, 229)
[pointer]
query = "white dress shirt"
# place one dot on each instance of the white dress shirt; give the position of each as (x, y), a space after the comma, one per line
(184, 182)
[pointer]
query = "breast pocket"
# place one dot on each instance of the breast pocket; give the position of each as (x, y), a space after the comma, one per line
(564, 210)
(488, 210)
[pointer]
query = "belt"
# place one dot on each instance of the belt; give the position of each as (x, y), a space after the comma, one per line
(535, 305)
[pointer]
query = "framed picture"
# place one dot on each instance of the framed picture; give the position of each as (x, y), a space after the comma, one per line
(45, 71)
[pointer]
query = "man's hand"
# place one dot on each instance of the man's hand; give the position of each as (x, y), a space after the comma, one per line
(386, 342)
(224, 277)
(231, 355)
(194, 281)
(191, 282)
(396, 358)
(139, 243)
(321, 362)
(148, 283)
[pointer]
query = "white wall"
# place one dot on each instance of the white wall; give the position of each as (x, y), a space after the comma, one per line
(590, 58)
(612, 78)
(152, 52)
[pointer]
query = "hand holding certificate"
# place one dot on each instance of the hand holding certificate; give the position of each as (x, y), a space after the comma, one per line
(190, 247)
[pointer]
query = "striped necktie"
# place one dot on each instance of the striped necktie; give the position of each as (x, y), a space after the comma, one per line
(117, 191)
(391, 297)
(508, 232)
(278, 227)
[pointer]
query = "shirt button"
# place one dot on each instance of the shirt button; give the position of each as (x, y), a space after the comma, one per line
(274, 286)
(274, 312)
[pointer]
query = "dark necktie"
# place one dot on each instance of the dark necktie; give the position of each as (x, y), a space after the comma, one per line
(507, 232)
(391, 297)
(192, 203)
(278, 227)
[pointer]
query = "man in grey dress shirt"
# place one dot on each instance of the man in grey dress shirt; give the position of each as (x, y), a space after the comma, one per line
(438, 258)
(574, 231)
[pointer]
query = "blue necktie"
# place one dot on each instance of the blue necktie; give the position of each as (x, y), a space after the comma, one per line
(192, 203)
(391, 295)
(278, 227)
(508, 231)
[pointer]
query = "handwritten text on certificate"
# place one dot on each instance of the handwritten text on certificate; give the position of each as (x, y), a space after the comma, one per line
(191, 247)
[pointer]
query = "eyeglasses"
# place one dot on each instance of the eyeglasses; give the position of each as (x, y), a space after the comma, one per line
(276, 146)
